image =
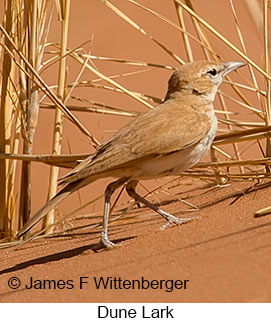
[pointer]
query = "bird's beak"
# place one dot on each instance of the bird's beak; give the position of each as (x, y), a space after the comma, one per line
(231, 66)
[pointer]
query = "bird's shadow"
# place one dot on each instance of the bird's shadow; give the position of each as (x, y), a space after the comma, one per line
(96, 247)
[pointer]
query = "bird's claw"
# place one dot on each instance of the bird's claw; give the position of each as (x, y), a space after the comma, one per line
(171, 219)
(105, 242)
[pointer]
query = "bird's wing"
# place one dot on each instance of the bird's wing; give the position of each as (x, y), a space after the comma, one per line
(171, 131)
(160, 131)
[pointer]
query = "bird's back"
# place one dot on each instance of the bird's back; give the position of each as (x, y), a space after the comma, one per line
(173, 126)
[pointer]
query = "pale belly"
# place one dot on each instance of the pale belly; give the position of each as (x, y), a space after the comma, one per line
(176, 162)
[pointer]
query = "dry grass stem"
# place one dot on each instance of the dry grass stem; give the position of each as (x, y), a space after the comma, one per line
(186, 40)
(44, 87)
(224, 39)
(140, 29)
(64, 12)
(96, 108)
(109, 80)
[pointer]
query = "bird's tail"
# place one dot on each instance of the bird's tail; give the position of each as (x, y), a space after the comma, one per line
(41, 213)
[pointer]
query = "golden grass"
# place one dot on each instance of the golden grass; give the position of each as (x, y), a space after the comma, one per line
(25, 34)
(63, 14)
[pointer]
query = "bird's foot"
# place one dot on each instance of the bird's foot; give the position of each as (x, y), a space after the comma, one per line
(171, 219)
(105, 242)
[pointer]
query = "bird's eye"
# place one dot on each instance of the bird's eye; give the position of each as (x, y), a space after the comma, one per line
(212, 72)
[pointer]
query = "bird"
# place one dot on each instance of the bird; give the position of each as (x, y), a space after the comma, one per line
(163, 141)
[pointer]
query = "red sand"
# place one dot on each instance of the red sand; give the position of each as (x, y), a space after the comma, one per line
(225, 255)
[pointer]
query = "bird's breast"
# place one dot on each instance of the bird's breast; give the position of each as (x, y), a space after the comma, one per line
(178, 161)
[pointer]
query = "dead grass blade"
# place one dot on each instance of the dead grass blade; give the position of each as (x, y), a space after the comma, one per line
(44, 87)
(203, 43)
(6, 112)
(267, 64)
(224, 39)
(58, 125)
(109, 80)
(126, 61)
(66, 161)
(140, 29)
(186, 41)
(96, 108)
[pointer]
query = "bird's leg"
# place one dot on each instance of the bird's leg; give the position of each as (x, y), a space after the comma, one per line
(110, 189)
(130, 188)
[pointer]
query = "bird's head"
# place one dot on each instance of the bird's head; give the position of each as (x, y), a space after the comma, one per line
(200, 78)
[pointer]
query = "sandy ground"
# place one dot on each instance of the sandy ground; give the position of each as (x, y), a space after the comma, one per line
(224, 256)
